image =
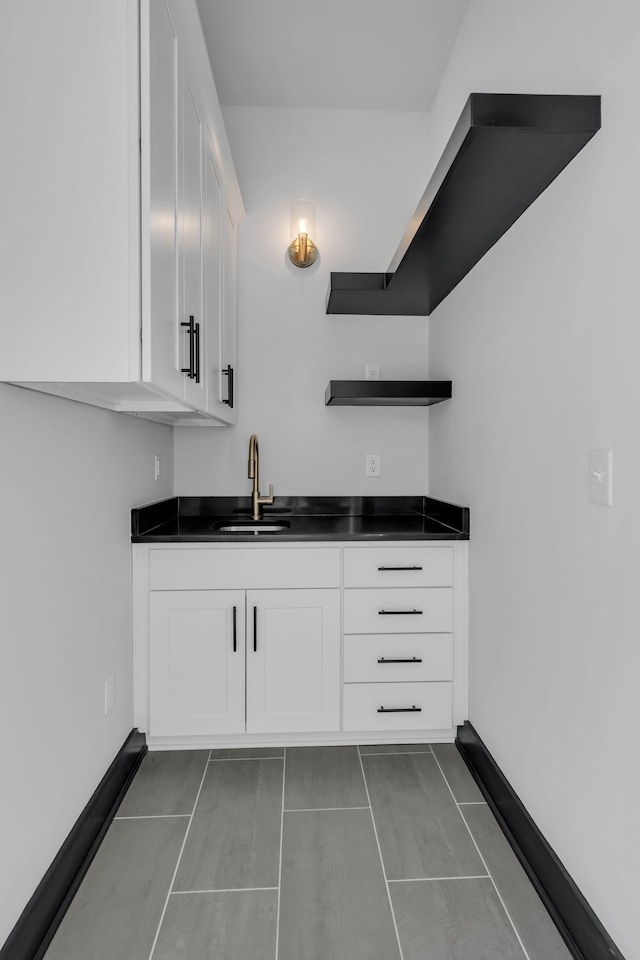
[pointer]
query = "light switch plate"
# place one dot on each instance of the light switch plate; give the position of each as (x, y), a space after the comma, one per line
(600, 477)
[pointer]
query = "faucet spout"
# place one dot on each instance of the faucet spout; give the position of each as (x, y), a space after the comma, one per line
(253, 473)
(253, 460)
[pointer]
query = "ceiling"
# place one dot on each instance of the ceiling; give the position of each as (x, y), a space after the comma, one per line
(339, 54)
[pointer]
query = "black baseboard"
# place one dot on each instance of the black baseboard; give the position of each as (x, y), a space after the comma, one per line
(580, 928)
(42, 916)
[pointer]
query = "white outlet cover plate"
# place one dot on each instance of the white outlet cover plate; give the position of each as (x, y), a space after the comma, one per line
(601, 477)
(372, 371)
(373, 465)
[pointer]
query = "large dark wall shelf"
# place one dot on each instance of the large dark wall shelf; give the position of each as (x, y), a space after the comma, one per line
(504, 152)
(386, 393)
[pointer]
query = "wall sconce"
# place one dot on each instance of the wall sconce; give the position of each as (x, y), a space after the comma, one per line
(302, 249)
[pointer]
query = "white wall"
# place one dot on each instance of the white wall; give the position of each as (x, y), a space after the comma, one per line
(366, 172)
(542, 340)
(69, 477)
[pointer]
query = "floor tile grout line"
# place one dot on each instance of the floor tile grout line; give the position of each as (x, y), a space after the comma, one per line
(157, 816)
(181, 893)
(480, 876)
(471, 803)
(284, 780)
(384, 872)
(321, 809)
(396, 753)
(240, 759)
(484, 862)
(175, 872)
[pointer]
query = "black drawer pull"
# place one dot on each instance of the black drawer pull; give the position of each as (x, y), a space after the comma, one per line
(229, 373)
(413, 709)
(235, 634)
(255, 629)
(399, 568)
(399, 613)
(407, 660)
(196, 337)
(190, 370)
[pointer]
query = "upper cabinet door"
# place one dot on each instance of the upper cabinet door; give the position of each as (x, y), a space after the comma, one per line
(229, 379)
(293, 660)
(212, 274)
(192, 320)
(160, 143)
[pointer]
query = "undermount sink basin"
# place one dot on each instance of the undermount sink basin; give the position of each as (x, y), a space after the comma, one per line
(257, 526)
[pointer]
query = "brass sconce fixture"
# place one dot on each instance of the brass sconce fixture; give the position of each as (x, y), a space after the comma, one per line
(302, 249)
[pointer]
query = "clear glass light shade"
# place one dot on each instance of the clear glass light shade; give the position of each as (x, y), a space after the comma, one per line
(302, 248)
(303, 219)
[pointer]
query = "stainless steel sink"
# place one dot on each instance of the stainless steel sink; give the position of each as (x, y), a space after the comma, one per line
(250, 527)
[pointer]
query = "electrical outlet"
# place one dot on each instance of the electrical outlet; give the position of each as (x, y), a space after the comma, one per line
(373, 465)
(157, 467)
(372, 371)
(109, 694)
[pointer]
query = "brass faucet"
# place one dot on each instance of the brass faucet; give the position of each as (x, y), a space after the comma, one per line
(256, 500)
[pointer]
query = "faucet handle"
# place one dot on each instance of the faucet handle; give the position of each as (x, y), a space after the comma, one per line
(266, 500)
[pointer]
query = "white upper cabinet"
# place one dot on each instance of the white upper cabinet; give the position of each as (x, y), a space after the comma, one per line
(113, 236)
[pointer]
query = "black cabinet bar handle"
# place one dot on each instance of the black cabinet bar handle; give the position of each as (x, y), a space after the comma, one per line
(398, 613)
(196, 337)
(229, 373)
(399, 568)
(190, 369)
(235, 634)
(407, 660)
(255, 629)
(400, 709)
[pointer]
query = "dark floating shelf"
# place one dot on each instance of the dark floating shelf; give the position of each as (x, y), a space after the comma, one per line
(504, 152)
(386, 393)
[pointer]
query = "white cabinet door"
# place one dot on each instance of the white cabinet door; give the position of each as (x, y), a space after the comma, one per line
(212, 276)
(293, 660)
(192, 321)
(196, 662)
(160, 143)
(228, 379)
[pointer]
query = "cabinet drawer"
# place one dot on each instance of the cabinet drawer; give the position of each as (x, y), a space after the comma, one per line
(363, 701)
(220, 569)
(374, 658)
(398, 567)
(410, 610)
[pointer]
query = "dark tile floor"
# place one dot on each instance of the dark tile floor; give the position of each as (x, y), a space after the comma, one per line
(383, 852)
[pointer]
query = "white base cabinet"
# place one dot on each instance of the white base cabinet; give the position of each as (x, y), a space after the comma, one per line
(202, 661)
(238, 644)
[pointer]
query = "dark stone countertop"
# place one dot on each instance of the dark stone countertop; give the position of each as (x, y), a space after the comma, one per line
(196, 519)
